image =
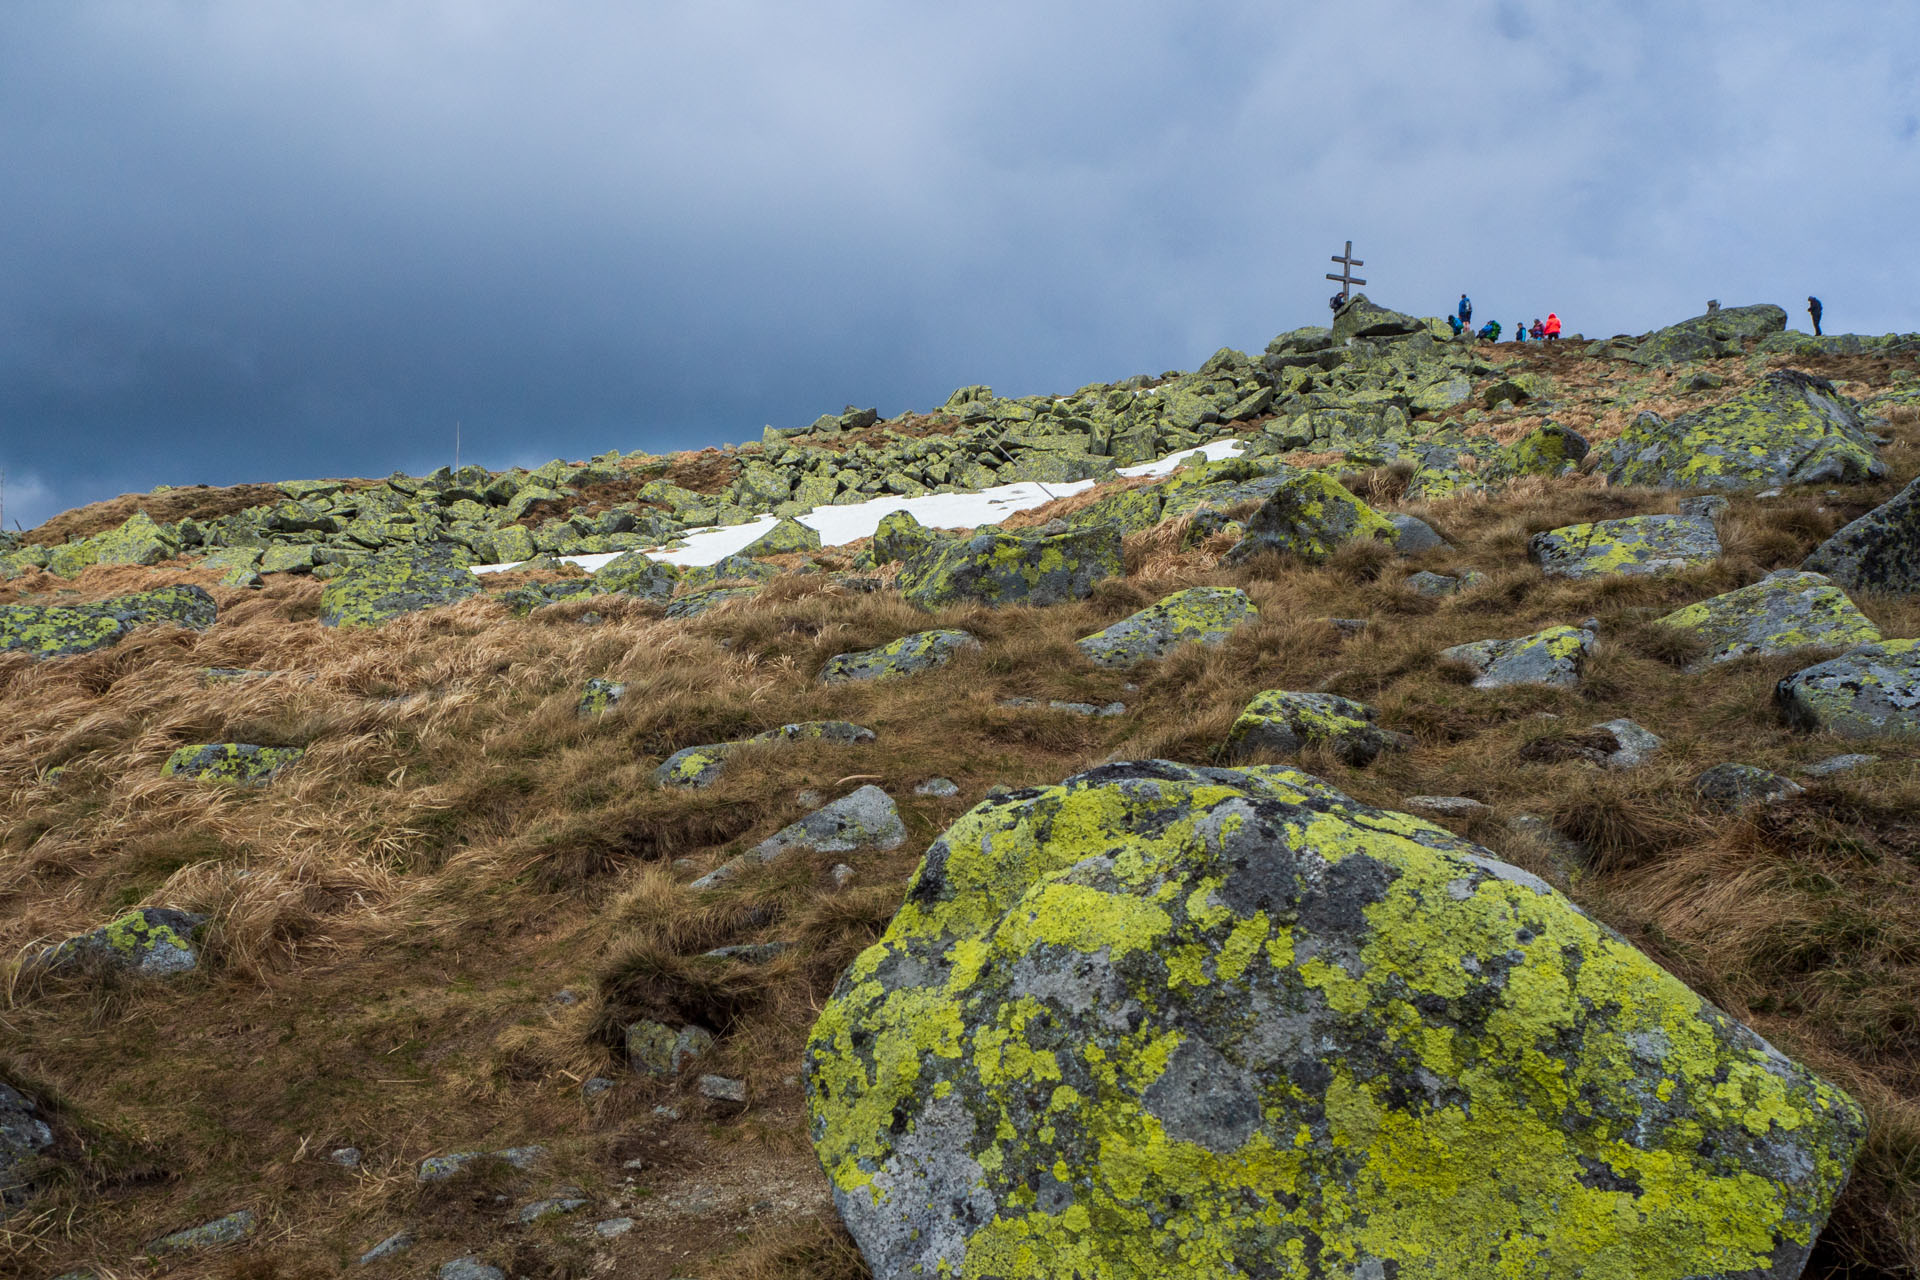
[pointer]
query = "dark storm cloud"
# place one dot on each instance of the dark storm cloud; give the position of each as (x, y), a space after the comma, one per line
(261, 240)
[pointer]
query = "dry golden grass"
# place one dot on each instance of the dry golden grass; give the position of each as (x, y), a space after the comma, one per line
(392, 919)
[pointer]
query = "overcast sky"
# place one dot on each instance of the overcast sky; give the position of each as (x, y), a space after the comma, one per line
(263, 240)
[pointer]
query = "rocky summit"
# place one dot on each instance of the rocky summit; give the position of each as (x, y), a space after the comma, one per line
(1376, 804)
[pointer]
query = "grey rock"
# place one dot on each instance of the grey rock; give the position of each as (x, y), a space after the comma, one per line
(937, 787)
(1555, 656)
(841, 874)
(231, 1229)
(909, 655)
(151, 942)
(567, 1200)
(1838, 764)
(1880, 551)
(397, 1243)
(1001, 567)
(1637, 745)
(1285, 722)
(1775, 615)
(398, 581)
(1707, 506)
(654, 1048)
(1428, 583)
(636, 575)
(1736, 786)
(749, 952)
(1105, 711)
(1363, 318)
(702, 766)
(440, 1168)
(863, 819)
(469, 1269)
(600, 696)
(695, 603)
(1872, 690)
(594, 1086)
(1198, 615)
(723, 1089)
(1631, 547)
(24, 1136)
(345, 1157)
(1446, 806)
(1415, 534)
(612, 1227)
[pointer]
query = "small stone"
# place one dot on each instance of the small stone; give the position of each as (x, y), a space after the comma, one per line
(595, 1086)
(1636, 744)
(841, 874)
(749, 952)
(937, 787)
(1708, 506)
(564, 996)
(439, 1168)
(723, 1089)
(1551, 657)
(612, 1227)
(346, 1157)
(667, 1113)
(1348, 626)
(636, 1164)
(1415, 535)
(231, 1229)
(654, 1048)
(569, 1200)
(863, 819)
(1736, 786)
(1837, 764)
(399, 1242)
(469, 1269)
(1446, 806)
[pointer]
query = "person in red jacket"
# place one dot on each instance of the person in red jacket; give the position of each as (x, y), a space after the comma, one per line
(1553, 327)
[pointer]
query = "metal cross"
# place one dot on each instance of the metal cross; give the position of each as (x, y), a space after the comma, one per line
(1346, 278)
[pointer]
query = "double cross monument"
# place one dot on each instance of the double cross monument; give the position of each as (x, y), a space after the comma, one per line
(1346, 279)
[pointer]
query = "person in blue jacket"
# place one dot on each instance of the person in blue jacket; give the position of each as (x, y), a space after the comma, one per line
(1490, 331)
(1520, 332)
(1457, 326)
(1466, 309)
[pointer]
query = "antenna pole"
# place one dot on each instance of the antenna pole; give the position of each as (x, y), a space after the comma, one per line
(456, 444)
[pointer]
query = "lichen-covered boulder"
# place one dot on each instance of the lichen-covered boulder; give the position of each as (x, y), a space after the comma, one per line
(1362, 318)
(403, 580)
(1717, 333)
(599, 697)
(1129, 510)
(1284, 723)
(1880, 551)
(150, 942)
(138, 540)
(635, 575)
(1871, 691)
(1775, 615)
(909, 655)
(1428, 583)
(1548, 450)
(1310, 515)
(901, 537)
(702, 766)
(1555, 656)
(1739, 786)
(695, 603)
(243, 764)
(1631, 547)
(1001, 567)
(1791, 428)
(1198, 615)
(863, 819)
(1161, 1020)
(24, 1136)
(786, 535)
(48, 631)
(656, 1049)
(738, 567)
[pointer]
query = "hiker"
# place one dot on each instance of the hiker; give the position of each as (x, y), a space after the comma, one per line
(1337, 301)
(1457, 326)
(1553, 327)
(1813, 309)
(1539, 330)
(1466, 309)
(1520, 331)
(1490, 331)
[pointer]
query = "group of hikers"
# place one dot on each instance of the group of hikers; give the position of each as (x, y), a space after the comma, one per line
(1461, 321)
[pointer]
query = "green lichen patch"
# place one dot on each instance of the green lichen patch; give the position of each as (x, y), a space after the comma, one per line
(151, 942)
(1161, 1020)
(1778, 614)
(1001, 567)
(786, 535)
(1310, 515)
(1635, 546)
(403, 580)
(702, 766)
(1198, 615)
(1555, 656)
(599, 697)
(635, 575)
(139, 540)
(1871, 691)
(1880, 551)
(1285, 723)
(48, 631)
(909, 655)
(1549, 450)
(241, 764)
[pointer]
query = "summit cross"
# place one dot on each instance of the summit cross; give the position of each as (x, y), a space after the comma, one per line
(1346, 278)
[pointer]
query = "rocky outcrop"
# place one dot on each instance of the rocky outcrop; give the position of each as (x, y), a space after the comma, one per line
(1791, 428)
(1310, 515)
(1361, 318)
(1880, 551)
(1284, 723)
(1555, 656)
(1870, 691)
(50, 631)
(1166, 1020)
(1002, 567)
(1635, 546)
(1198, 615)
(635, 575)
(1723, 332)
(1778, 614)
(909, 655)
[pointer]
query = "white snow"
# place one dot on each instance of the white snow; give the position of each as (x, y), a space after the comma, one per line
(839, 525)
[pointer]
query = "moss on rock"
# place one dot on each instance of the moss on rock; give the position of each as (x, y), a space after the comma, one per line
(1791, 428)
(1555, 656)
(1001, 567)
(1778, 614)
(921, 651)
(1310, 515)
(1871, 691)
(151, 942)
(400, 581)
(1198, 615)
(48, 631)
(1284, 723)
(1631, 547)
(702, 766)
(240, 763)
(1161, 1020)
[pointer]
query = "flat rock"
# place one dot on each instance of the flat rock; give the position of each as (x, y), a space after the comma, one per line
(1198, 615)
(1736, 786)
(1428, 583)
(568, 1200)
(1555, 656)
(1446, 806)
(1362, 318)
(1833, 765)
(1166, 1020)
(1001, 566)
(695, 603)
(1791, 428)
(1285, 722)
(1104, 711)
(52, 631)
(1880, 551)
(240, 764)
(1630, 547)
(231, 1229)
(469, 1269)
(702, 766)
(635, 575)
(440, 1168)
(1414, 535)
(1775, 615)
(909, 655)
(723, 1089)
(1870, 691)
(401, 580)
(938, 787)
(1636, 745)
(1309, 515)
(394, 1245)
(862, 819)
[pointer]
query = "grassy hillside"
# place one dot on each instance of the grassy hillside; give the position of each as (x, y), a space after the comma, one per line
(428, 935)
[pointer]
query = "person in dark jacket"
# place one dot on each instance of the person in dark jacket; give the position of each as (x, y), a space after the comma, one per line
(1520, 331)
(1457, 326)
(1539, 330)
(1490, 331)
(1814, 309)
(1466, 309)
(1337, 301)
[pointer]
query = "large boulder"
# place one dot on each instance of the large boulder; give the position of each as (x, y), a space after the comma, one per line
(1548, 450)
(150, 942)
(404, 580)
(24, 1137)
(901, 537)
(1285, 722)
(1555, 656)
(1778, 614)
(1001, 567)
(1872, 691)
(635, 575)
(1162, 1020)
(1631, 547)
(138, 540)
(48, 631)
(1717, 333)
(1791, 428)
(702, 766)
(1880, 551)
(1361, 318)
(862, 819)
(1198, 615)
(1310, 515)
(909, 655)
